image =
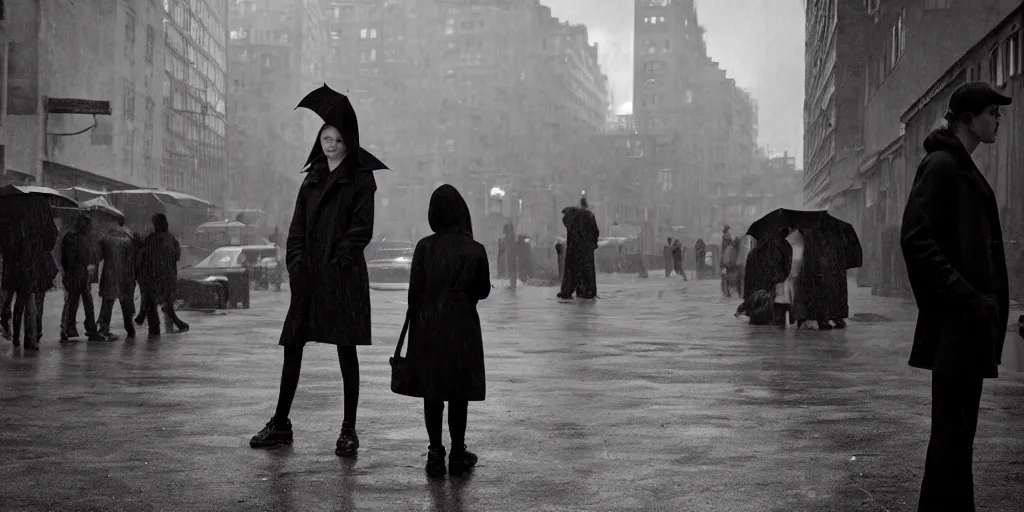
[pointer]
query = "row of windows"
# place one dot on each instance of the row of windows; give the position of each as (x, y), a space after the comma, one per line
(1006, 61)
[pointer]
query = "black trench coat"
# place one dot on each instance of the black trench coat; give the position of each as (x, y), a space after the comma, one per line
(952, 242)
(449, 275)
(330, 287)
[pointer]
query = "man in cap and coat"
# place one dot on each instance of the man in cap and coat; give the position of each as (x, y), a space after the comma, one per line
(953, 247)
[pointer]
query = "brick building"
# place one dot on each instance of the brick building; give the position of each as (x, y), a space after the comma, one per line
(703, 125)
(278, 52)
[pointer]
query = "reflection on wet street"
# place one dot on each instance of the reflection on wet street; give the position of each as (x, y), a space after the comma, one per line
(653, 397)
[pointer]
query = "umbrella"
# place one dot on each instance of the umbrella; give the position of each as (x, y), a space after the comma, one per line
(80, 193)
(25, 219)
(335, 108)
(102, 206)
(53, 198)
(832, 231)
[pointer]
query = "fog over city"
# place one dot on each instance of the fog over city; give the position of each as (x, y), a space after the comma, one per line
(760, 43)
(512, 255)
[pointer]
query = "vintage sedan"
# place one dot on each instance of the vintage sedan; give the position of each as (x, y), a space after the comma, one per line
(390, 270)
(223, 277)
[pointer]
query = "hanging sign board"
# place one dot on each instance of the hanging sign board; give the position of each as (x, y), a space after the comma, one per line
(77, 106)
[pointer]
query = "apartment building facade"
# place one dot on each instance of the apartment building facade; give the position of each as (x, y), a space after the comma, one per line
(278, 51)
(704, 127)
(47, 58)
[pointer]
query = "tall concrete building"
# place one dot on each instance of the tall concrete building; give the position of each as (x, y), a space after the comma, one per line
(704, 127)
(49, 59)
(194, 87)
(482, 95)
(834, 95)
(278, 52)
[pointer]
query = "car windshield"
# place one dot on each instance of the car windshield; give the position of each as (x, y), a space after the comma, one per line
(387, 254)
(221, 258)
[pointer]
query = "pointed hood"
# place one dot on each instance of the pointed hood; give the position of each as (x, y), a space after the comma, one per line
(448, 212)
(336, 110)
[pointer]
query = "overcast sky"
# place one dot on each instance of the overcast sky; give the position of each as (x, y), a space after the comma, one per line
(760, 43)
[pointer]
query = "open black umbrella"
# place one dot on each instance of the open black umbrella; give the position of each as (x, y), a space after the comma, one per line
(336, 110)
(829, 230)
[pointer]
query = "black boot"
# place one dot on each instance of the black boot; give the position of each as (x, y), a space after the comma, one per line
(461, 460)
(274, 434)
(348, 441)
(435, 462)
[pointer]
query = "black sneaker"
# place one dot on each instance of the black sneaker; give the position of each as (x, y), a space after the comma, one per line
(348, 442)
(461, 461)
(16, 340)
(5, 331)
(435, 462)
(273, 435)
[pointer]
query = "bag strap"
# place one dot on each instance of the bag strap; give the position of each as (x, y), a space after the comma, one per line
(401, 337)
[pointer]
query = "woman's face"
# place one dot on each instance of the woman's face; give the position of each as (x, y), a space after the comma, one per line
(331, 143)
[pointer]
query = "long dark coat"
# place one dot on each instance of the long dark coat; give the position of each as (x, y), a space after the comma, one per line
(159, 265)
(449, 275)
(582, 233)
(953, 245)
(117, 251)
(768, 263)
(331, 226)
(28, 262)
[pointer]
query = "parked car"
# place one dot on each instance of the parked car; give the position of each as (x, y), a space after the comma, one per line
(391, 270)
(224, 272)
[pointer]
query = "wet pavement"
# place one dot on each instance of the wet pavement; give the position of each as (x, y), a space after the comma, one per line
(652, 398)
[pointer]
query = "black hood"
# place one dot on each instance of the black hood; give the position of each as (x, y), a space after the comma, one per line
(448, 212)
(943, 139)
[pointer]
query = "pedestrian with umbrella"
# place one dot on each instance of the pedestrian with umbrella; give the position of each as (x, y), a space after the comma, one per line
(330, 288)
(28, 236)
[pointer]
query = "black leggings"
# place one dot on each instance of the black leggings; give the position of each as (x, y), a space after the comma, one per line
(349, 362)
(433, 412)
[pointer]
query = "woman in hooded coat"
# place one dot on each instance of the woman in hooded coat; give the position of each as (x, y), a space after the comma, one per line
(330, 287)
(449, 275)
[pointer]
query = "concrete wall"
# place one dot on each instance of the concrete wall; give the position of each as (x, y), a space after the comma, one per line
(935, 39)
(96, 65)
(21, 135)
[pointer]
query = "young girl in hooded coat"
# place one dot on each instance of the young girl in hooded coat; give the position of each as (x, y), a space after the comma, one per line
(449, 275)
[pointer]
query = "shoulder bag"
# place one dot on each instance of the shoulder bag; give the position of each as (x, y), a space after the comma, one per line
(403, 373)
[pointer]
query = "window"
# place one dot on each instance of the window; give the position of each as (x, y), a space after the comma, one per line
(997, 73)
(129, 100)
(22, 80)
(1012, 54)
(665, 180)
(150, 39)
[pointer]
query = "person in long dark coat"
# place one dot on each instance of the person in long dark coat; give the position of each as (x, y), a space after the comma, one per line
(669, 255)
(160, 255)
(117, 284)
(31, 273)
(768, 264)
(699, 250)
(78, 263)
(677, 258)
(330, 286)
(449, 275)
(582, 234)
(952, 242)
